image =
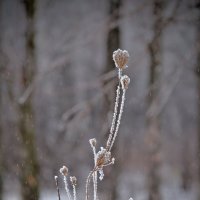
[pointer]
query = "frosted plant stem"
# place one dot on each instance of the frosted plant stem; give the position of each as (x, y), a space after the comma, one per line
(119, 74)
(119, 119)
(67, 189)
(95, 185)
(95, 174)
(57, 187)
(114, 116)
(94, 154)
(87, 184)
(74, 191)
(110, 163)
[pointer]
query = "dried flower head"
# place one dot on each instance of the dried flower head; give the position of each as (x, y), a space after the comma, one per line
(103, 158)
(64, 171)
(73, 180)
(125, 80)
(120, 58)
(93, 142)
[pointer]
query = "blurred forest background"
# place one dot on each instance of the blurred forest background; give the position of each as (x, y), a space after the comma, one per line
(57, 85)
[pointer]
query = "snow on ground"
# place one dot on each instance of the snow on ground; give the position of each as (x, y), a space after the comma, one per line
(130, 186)
(168, 193)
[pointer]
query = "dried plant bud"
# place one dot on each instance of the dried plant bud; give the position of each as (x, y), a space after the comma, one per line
(125, 80)
(93, 142)
(73, 180)
(103, 157)
(121, 58)
(64, 171)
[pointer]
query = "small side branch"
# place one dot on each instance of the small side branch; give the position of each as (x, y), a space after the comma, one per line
(171, 18)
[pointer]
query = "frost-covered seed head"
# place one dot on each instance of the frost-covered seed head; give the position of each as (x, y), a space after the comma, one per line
(64, 171)
(125, 80)
(93, 142)
(120, 58)
(103, 158)
(73, 180)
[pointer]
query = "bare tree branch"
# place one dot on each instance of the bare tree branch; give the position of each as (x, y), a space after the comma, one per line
(173, 15)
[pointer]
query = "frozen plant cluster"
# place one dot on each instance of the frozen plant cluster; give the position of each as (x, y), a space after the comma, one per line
(103, 157)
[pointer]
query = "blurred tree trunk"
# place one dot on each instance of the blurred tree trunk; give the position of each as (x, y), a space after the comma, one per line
(1, 95)
(198, 86)
(1, 132)
(113, 43)
(30, 168)
(153, 122)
